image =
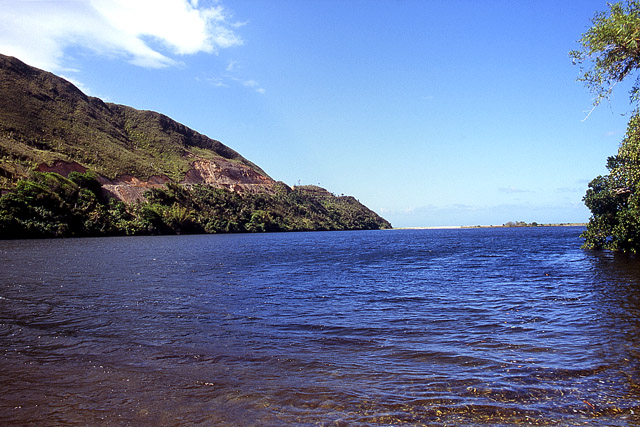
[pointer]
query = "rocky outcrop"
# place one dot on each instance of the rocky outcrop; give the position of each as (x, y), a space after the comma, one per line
(61, 167)
(229, 175)
(130, 189)
(217, 173)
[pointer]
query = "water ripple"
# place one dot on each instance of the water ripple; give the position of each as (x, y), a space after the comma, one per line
(420, 327)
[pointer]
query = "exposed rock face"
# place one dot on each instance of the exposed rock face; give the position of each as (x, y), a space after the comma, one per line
(130, 189)
(61, 167)
(229, 175)
(216, 173)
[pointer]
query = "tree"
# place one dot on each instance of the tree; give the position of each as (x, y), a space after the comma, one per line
(609, 54)
(610, 51)
(614, 199)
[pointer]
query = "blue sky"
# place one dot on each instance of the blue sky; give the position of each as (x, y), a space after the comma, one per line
(432, 113)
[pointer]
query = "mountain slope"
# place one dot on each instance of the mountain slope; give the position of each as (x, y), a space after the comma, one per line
(73, 165)
(48, 123)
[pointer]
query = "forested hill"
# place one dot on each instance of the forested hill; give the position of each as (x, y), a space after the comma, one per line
(73, 165)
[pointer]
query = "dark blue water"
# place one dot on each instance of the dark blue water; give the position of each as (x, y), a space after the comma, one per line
(416, 327)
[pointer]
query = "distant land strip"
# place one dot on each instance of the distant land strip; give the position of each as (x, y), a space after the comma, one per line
(507, 225)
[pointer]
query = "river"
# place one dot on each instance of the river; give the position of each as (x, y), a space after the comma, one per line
(396, 327)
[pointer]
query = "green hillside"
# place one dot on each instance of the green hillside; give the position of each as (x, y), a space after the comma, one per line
(44, 118)
(72, 165)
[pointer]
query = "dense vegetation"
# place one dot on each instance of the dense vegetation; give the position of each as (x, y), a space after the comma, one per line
(614, 199)
(520, 224)
(609, 54)
(50, 205)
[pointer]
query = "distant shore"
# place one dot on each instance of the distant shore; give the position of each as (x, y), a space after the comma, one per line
(450, 227)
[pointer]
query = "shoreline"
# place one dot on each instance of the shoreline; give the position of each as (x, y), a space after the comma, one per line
(455, 227)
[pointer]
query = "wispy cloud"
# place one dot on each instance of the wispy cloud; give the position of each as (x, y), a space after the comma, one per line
(254, 85)
(147, 33)
(216, 81)
(230, 78)
(85, 89)
(231, 65)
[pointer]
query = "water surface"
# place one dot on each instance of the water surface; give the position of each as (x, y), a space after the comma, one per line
(417, 327)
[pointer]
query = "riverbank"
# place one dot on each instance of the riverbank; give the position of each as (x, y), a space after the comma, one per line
(451, 227)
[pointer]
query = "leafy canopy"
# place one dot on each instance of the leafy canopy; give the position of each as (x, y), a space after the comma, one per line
(610, 50)
(610, 53)
(614, 199)
(50, 205)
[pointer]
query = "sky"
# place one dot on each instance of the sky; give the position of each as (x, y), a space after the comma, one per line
(430, 112)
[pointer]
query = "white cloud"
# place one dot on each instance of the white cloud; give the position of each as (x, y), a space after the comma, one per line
(145, 32)
(229, 79)
(231, 65)
(86, 90)
(217, 82)
(254, 85)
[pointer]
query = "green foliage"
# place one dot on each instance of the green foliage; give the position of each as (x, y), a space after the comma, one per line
(520, 224)
(614, 199)
(610, 50)
(87, 180)
(609, 54)
(49, 205)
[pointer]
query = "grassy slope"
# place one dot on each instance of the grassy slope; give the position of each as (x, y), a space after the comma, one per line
(45, 118)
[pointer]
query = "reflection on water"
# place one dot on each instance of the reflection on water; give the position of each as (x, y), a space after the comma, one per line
(435, 327)
(619, 302)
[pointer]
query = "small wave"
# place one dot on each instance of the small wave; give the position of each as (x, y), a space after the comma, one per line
(399, 300)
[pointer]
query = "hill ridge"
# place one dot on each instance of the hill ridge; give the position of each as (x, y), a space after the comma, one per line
(73, 165)
(47, 123)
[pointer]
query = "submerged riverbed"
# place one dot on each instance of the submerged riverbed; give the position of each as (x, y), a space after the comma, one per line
(418, 327)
